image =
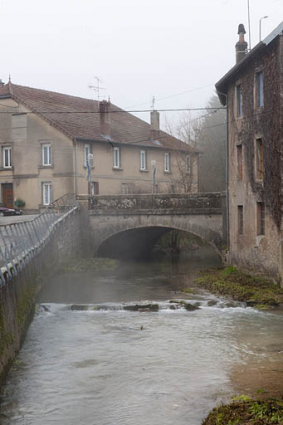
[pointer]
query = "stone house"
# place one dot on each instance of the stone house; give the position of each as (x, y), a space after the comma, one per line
(253, 93)
(53, 144)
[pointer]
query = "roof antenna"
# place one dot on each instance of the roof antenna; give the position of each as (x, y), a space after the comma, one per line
(153, 102)
(97, 88)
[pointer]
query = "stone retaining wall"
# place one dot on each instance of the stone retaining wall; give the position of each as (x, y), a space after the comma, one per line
(18, 295)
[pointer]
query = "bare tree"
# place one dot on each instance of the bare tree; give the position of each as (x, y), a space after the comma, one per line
(185, 173)
(207, 132)
(211, 139)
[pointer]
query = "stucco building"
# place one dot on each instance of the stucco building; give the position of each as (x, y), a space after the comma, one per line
(253, 93)
(53, 144)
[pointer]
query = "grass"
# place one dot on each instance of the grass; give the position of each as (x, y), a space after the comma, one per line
(244, 410)
(231, 282)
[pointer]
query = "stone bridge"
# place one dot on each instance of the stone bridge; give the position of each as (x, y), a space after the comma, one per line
(148, 216)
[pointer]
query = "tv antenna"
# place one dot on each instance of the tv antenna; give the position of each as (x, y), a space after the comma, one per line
(97, 88)
(152, 103)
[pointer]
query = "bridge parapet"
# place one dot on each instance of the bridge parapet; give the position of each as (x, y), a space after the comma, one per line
(156, 204)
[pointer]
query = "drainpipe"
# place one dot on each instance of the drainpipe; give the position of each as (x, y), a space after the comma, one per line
(227, 177)
(227, 172)
(76, 167)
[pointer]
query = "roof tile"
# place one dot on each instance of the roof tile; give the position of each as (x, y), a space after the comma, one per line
(79, 118)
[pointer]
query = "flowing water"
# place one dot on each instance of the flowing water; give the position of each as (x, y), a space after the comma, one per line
(86, 360)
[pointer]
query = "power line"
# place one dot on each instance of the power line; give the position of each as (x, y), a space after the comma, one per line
(113, 112)
(173, 95)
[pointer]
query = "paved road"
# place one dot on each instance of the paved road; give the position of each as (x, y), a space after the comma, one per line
(16, 237)
(16, 219)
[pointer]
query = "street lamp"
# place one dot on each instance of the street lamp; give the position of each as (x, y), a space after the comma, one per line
(264, 17)
(153, 164)
(89, 164)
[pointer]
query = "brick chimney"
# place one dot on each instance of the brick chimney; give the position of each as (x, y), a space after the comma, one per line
(241, 45)
(105, 118)
(154, 125)
(2, 83)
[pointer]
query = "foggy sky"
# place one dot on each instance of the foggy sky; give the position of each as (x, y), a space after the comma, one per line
(138, 48)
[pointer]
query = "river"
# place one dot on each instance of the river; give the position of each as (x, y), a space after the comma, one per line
(106, 365)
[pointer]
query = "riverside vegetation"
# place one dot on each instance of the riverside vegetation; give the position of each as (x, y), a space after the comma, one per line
(244, 411)
(255, 291)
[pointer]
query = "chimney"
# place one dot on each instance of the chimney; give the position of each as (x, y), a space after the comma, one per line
(242, 45)
(105, 119)
(2, 83)
(154, 125)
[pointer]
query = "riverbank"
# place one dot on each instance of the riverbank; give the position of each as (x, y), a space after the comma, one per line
(245, 410)
(262, 382)
(230, 282)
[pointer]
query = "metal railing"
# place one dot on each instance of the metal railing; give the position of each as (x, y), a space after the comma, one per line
(21, 241)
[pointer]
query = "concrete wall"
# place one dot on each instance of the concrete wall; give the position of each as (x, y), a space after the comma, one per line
(18, 296)
(28, 173)
(129, 178)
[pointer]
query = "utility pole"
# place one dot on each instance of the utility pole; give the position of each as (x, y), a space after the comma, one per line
(249, 25)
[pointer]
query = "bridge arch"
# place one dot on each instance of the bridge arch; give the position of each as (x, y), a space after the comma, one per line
(205, 227)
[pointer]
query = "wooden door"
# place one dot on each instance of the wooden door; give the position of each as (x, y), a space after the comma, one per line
(8, 195)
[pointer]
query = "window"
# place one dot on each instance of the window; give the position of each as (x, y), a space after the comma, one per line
(46, 155)
(19, 126)
(167, 162)
(260, 218)
(46, 193)
(239, 100)
(7, 157)
(259, 158)
(143, 165)
(259, 89)
(116, 158)
(239, 162)
(86, 154)
(127, 188)
(188, 164)
(240, 220)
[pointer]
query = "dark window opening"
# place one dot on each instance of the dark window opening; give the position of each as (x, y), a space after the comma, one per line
(240, 220)
(239, 100)
(239, 162)
(259, 159)
(260, 218)
(259, 89)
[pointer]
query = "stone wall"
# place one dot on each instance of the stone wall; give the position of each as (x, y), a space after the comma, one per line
(205, 203)
(203, 215)
(249, 249)
(18, 295)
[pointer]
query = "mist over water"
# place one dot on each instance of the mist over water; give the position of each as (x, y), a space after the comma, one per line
(111, 366)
